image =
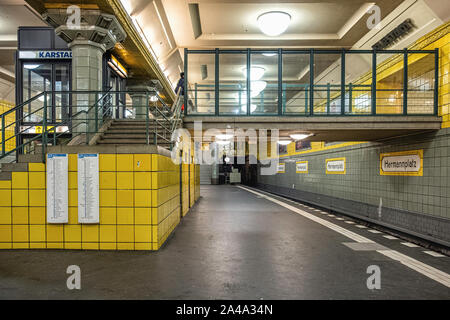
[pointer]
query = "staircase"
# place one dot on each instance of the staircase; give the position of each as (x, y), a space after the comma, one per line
(128, 131)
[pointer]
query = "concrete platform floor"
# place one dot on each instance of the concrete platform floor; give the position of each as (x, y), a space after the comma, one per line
(232, 245)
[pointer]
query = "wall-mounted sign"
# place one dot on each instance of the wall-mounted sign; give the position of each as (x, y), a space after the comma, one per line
(88, 193)
(335, 166)
(281, 168)
(57, 188)
(301, 167)
(58, 54)
(403, 163)
(395, 35)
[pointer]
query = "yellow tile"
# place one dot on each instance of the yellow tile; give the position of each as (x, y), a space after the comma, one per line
(155, 162)
(73, 162)
(37, 245)
(5, 245)
(5, 198)
(5, 184)
(154, 233)
(36, 180)
(36, 167)
(20, 245)
(37, 197)
(73, 180)
(89, 245)
(107, 198)
(73, 198)
(5, 215)
(55, 245)
(20, 233)
(125, 246)
(125, 216)
(20, 215)
(143, 246)
(72, 245)
(107, 233)
(143, 215)
(142, 180)
(19, 180)
(124, 162)
(37, 215)
(142, 198)
(142, 162)
(89, 233)
(155, 180)
(108, 246)
(37, 233)
(107, 180)
(143, 233)
(154, 215)
(54, 232)
(108, 215)
(124, 198)
(107, 162)
(5, 233)
(125, 233)
(124, 180)
(20, 197)
(72, 233)
(155, 246)
(73, 215)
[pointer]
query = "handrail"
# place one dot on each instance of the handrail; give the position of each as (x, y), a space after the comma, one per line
(85, 121)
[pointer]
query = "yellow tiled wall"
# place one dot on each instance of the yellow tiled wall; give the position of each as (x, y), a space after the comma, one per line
(139, 206)
(9, 119)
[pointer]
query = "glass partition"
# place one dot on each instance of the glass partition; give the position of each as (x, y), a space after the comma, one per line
(358, 83)
(335, 88)
(264, 83)
(201, 84)
(421, 82)
(389, 85)
(295, 94)
(232, 84)
(327, 84)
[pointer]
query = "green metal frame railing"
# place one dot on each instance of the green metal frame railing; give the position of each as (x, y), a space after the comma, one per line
(312, 88)
(88, 121)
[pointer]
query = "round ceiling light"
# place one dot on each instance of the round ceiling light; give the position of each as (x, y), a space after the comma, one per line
(274, 23)
(284, 142)
(256, 73)
(299, 136)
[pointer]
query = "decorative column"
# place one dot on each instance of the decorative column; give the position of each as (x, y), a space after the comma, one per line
(96, 33)
(140, 91)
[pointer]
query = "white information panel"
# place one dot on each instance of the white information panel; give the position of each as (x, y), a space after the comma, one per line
(88, 188)
(57, 188)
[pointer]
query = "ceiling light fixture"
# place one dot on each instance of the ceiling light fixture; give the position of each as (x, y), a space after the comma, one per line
(269, 54)
(274, 23)
(224, 136)
(256, 73)
(31, 66)
(299, 136)
(284, 142)
(222, 142)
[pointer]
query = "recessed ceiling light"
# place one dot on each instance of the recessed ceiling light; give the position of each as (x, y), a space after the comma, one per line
(269, 54)
(299, 136)
(274, 23)
(284, 142)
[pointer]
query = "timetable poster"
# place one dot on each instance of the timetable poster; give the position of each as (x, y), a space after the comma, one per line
(88, 188)
(57, 188)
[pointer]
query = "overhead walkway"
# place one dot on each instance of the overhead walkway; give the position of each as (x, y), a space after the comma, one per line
(243, 244)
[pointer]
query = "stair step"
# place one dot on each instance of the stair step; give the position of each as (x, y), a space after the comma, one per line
(18, 167)
(122, 141)
(27, 158)
(108, 135)
(5, 175)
